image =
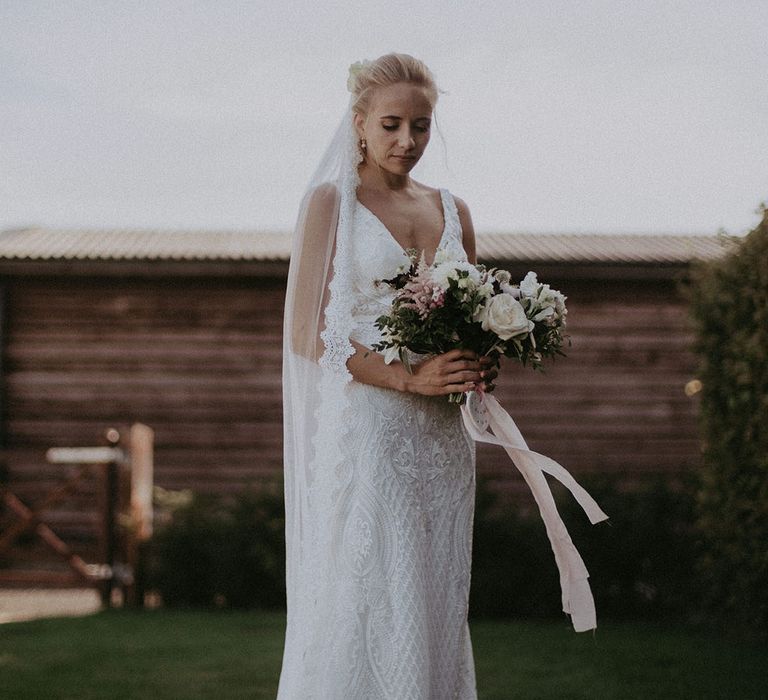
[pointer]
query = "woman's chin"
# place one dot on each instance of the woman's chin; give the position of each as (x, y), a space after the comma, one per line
(402, 165)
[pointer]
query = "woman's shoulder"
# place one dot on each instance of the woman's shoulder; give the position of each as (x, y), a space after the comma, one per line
(465, 222)
(461, 205)
(322, 199)
(325, 191)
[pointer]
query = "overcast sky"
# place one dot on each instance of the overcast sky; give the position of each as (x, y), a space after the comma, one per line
(586, 116)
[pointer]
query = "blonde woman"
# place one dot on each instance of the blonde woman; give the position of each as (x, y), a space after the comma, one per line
(379, 468)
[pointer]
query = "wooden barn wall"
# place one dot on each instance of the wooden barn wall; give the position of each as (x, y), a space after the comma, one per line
(616, 404)
(199, 360)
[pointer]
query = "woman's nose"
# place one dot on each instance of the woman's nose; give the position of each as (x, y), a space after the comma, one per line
(406, 139)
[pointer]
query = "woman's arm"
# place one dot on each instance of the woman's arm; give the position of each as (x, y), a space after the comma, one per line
(452, 372)
(310, 271)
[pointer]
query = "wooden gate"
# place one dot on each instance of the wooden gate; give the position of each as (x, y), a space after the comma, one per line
(124, 470)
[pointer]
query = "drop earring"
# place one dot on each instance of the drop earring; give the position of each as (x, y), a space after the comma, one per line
(363, 144)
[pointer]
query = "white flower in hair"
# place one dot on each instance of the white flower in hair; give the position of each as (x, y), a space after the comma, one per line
(354, 69)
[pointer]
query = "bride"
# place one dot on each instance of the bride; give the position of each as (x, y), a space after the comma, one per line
(379, 468)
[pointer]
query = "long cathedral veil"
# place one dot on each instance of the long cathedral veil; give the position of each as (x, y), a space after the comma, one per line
(318, 323)
(316, 346)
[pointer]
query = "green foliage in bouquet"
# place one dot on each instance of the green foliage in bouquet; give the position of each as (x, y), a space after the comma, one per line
(455, 304)
(729, 305)
(444, 328)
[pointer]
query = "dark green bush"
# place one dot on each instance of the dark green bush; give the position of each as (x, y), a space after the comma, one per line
(640, 560)
(729, 305)
(220, 551)
(215, 551)
(513, 568)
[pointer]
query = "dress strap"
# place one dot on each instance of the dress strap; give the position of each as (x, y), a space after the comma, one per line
(451, 213)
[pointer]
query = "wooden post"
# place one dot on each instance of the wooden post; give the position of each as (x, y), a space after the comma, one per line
(3, 475)
(109, 535)
(141, 448)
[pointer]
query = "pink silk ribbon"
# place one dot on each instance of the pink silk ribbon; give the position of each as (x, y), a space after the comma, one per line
(481, 412)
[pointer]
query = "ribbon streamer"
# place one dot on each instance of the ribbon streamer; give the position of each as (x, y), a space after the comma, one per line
(481, 412)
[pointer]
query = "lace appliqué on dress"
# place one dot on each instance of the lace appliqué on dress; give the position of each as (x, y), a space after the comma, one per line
(394, 493)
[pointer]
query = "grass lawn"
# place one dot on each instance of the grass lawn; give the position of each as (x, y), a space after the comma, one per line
(183, 655)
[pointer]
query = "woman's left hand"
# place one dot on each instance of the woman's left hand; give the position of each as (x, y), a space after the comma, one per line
(490, 370)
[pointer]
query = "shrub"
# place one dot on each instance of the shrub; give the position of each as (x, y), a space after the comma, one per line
(729, 305)
(230, 552)
(214, 550)
(640, 560)
(513, 568)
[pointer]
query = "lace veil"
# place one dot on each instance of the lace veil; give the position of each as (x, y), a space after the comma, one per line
(316, 346)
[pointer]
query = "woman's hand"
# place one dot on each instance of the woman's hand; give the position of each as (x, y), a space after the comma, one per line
(490, 370)
(453, 372)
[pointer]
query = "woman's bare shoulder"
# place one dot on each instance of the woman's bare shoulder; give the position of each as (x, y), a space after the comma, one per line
(463, 209)
(434, 192)
(426, 190)
(322, 200)
(323, 192)
(467, 227)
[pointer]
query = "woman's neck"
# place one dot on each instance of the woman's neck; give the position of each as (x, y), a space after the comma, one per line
(376, 179)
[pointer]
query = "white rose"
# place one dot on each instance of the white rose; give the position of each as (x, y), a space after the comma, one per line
(505, 317)
(529, 285)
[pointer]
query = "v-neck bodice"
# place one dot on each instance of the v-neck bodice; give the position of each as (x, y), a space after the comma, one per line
(444, 194)
(377, 255)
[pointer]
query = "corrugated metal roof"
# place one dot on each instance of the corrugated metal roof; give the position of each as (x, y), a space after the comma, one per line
(598, 248)
(136, 244)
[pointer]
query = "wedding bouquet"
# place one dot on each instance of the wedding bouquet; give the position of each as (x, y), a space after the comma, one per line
(455, 304)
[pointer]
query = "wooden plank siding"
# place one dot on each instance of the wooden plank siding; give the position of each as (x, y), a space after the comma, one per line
(617, 403)
(199, 360)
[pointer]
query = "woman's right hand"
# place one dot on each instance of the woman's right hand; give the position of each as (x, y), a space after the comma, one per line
(452, 372)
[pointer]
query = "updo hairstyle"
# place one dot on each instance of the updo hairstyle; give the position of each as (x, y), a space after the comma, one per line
(387, 70)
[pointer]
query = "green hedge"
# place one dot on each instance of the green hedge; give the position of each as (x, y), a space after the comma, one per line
(216, 551)
(213, 551)
(640, 560)
(729, 305)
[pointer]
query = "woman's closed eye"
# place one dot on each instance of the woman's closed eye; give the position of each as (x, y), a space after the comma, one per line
(394, 127)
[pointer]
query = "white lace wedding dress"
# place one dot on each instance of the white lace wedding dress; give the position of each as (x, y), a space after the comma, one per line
(404, 524)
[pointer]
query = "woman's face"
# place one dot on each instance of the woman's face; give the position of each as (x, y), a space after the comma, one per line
(397, 127)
